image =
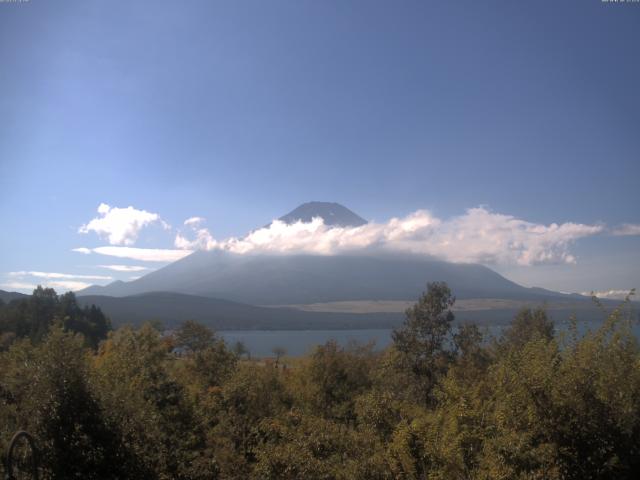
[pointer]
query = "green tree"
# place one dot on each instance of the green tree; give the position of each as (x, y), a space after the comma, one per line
(32, 317)
(193, 337)
(279, 352)
(250, 395)
(157, 420)
(527, 325)
(299, 446)
(89, 321)
(240, 349)
(423, 355)
(331, 379)
(49, 386)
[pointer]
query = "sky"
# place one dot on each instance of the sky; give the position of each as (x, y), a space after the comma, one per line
(503, 133)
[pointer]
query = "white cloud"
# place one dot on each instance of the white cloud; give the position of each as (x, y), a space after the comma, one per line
(67, 285)
(143, 254)
(57, 281)
(58, 285)
(124, 268)
(612, 294)
(84, 250)
(478, 236)
(54, 275)
(194, 221)
(121, 226)
(203, 239)
(628, 229)
(18, 286)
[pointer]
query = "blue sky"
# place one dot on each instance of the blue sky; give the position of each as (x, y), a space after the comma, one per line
(239, 111)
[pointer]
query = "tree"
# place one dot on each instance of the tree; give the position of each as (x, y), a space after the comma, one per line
(89, 321)
(278, 352)
(529, 406)
(240, 349)
(37, 314)
(299, 446)
(193, 336)
(329, 382)
(421, 342)
(33, 316)
(527, 325)
(211, 366)
(158, 421)
(50, 386)
(252, 394)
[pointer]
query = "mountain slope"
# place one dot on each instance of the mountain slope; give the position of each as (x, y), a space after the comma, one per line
(301, 279)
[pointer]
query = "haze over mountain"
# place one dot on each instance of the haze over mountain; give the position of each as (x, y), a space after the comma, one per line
(276, 279)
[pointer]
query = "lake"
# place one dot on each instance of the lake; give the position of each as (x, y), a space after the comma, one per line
(298, 342)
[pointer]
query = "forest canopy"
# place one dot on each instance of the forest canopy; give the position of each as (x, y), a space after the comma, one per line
(443, 401)
(33, 316)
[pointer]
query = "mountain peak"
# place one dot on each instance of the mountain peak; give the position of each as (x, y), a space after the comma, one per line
(332, 214)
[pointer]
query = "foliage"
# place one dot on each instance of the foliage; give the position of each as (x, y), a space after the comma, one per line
(133, 377)
(442, 402)
(193, 337)
(527, 325)
(48, 390)
(421, 343)
(33, 317)
(331, 379)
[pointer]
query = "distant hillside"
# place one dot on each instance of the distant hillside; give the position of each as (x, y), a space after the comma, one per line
(6, 297)
(174, 308)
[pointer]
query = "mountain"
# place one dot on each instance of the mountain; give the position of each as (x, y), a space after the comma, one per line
(302, 279)
(262, 279)
(332, 213)
(6, 297)
(114, 289)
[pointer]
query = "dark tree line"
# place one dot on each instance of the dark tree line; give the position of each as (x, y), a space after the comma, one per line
(33, 316)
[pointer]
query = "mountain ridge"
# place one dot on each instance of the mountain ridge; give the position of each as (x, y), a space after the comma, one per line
(7, 296)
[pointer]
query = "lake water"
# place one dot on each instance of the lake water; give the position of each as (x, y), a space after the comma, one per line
(298, 342)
